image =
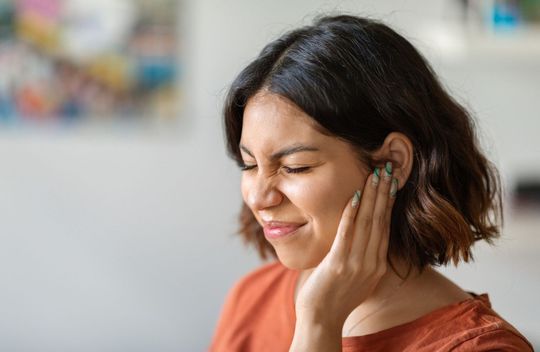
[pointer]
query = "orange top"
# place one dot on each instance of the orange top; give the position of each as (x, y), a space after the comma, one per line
(259, 316)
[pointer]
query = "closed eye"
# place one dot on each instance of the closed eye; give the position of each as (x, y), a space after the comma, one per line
(289, 170)
(297, 170)
(247, 167)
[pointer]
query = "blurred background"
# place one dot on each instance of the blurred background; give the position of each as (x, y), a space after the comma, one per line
(64, 60)
(118, 205)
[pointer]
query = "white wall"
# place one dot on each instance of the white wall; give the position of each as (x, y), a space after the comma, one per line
(116, 241)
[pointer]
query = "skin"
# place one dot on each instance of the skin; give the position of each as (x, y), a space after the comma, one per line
(341, 250)
(315, 198)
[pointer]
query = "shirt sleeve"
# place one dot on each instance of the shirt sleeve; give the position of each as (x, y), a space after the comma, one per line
(496, 340)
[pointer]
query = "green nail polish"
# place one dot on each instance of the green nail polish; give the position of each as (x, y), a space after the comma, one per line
(376, 176)
(388, 168)
(356, 199)
(394, 187)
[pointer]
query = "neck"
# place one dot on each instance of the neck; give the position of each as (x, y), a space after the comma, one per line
(366, 315)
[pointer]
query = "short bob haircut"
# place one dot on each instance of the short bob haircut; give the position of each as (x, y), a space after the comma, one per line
(360, 80)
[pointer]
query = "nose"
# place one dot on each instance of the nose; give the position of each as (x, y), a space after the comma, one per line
(262, 193)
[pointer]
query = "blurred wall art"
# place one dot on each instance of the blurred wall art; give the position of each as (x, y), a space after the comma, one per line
(75, 60)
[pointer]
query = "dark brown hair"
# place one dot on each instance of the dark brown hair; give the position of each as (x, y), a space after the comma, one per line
(360, 80)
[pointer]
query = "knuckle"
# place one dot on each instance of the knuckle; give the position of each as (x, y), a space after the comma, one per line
(345, 234)
(381, 222)
(345, 230)
(369, 269)
(381, 270)
(368, 218)
(339, 269)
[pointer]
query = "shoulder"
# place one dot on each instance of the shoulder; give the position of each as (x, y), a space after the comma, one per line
(259, 304)
(496, 339)
(264, 273)
(477, 327)
(465, 326)
(257, 282)
(271, 274)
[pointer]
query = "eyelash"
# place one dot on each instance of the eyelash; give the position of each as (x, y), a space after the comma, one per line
(246, 167)
(297, 170)
(289, 170)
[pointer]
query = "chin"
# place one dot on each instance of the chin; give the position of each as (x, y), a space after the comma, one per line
(298, 262)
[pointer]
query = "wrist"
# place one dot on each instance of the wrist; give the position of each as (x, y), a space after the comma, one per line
(320, 319)
(312, 334)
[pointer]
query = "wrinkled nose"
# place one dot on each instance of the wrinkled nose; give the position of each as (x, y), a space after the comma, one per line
(263, 193)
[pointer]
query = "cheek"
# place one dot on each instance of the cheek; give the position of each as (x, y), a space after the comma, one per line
(317, 198)
(245, 185)
(329, 211)
(323, 199)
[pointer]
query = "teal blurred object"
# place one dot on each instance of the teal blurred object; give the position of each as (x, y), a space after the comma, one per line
(7, 29)
(155, 72)
(7, 19)
(507, 14)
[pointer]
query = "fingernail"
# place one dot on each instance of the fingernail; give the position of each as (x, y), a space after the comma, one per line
(393, 187)
(376, 176)
(388, 168)
(356, 198)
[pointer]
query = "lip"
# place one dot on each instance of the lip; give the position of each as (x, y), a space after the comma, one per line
(278, 229)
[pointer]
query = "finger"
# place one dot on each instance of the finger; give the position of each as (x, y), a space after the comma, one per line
(385, 240)
(342, 242)
(380, 226)
(362, 225)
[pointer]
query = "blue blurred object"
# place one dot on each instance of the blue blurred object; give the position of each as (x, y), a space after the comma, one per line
(505, 14)
(71, 109)
(155, 72)
(7, 110)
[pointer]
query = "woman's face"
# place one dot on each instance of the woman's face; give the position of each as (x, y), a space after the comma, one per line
(277, 138)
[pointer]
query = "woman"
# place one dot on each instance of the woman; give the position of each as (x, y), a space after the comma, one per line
(360, 173)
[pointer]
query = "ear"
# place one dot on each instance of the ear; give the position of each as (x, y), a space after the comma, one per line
(398, 149)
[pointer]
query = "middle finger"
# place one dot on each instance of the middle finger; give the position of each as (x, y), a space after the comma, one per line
(364, 218)
(380, 226)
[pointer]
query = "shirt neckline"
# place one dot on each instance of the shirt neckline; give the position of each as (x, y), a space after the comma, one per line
(477, 298)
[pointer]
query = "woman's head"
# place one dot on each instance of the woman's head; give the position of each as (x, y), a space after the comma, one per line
(361, 95)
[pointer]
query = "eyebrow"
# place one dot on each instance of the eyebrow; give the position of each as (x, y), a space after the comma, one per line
(297, 148)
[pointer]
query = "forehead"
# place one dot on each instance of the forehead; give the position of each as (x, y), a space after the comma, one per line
(271, 118)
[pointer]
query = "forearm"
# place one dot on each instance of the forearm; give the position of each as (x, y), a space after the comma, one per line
(312, 336)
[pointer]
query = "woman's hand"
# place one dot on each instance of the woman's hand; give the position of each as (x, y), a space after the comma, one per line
(354, 265)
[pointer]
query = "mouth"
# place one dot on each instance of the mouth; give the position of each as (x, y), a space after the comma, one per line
(276, 230)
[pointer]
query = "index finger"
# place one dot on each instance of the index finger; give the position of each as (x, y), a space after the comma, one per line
(364, 219)
(344, 236)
